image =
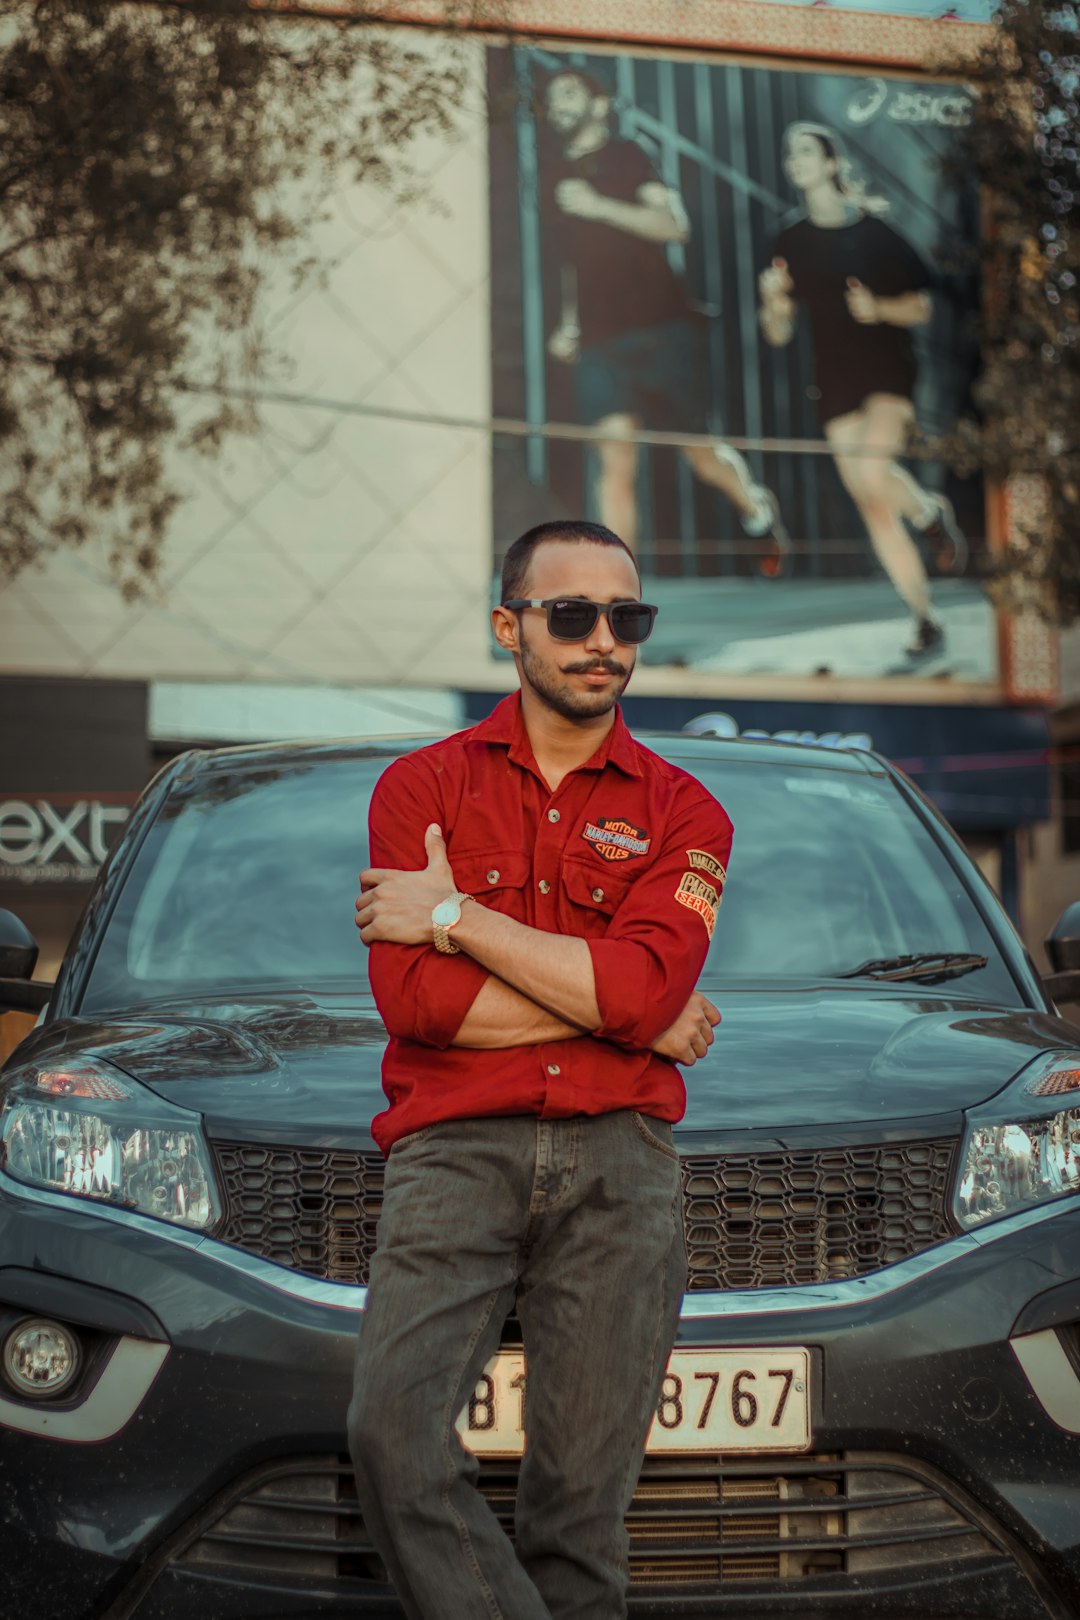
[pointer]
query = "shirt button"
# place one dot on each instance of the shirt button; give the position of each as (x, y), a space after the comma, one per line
(544, 886)
(598, 894)
(493, 875)
(553, 1068)
(553, 815)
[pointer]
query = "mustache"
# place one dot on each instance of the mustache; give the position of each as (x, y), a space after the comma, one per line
(588, 665)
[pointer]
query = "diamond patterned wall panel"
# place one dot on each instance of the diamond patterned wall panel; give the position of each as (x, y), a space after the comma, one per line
(340, 544)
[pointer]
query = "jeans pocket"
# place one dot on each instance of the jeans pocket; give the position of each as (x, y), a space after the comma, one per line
(644, 1125)
(413, 1136)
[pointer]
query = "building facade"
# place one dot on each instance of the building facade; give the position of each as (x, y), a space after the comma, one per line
(450, 378)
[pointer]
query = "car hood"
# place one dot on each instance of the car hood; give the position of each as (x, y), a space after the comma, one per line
(305, 1068)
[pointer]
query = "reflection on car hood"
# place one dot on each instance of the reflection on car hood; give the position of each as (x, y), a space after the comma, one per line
(301, 1068)
(288, 1068)
(832, 1056)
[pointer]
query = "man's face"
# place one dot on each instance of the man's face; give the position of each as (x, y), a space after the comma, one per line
(577, 679)
(568, 103)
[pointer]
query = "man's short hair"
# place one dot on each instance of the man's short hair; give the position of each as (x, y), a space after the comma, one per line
(516, 563)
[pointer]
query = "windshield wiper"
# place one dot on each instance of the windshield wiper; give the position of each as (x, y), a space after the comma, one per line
(929, 967)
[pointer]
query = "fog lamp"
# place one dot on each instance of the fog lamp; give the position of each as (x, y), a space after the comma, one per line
(40, 1358)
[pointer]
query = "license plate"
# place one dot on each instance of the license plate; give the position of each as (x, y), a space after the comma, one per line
(710, 1400)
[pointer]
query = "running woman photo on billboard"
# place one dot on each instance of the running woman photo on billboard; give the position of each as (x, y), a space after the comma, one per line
(864, 287)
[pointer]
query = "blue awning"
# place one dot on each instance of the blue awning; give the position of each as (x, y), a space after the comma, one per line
(986, 768)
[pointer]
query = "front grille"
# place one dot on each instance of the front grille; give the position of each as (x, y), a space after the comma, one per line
(752, 1220)
(806, 1216)
(694, 1524)
(312, 1210)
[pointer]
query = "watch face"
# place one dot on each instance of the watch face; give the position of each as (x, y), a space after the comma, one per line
(446, 913)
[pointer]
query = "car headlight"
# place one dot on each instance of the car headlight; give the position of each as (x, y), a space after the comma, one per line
(81, 1127)
(1024, 1147)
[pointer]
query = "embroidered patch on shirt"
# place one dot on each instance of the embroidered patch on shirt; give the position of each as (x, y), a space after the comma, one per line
(697, 895)
(616, 840)
(708, 863)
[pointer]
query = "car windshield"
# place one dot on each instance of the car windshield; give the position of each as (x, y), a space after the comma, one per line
(248, 876)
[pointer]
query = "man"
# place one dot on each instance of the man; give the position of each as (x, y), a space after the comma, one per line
(540, 903)
(626, 323)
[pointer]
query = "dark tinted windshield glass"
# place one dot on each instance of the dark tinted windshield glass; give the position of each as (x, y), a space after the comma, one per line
(248, 877)
(831, 869)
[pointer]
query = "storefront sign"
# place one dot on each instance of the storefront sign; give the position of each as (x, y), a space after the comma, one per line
(61, 838)
(74, 757)
(986, 767)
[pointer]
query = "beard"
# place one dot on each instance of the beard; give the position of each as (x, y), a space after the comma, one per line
(549, 683)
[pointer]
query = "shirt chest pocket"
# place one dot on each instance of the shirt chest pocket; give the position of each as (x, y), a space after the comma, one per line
(494, 877)
(597, 889)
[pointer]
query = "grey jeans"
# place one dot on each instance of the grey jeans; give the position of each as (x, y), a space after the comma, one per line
(576, 1223)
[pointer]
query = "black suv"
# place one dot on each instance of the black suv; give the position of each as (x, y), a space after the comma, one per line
(874, 1402)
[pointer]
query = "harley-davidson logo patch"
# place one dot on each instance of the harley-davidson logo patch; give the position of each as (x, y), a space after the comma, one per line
(616, 840)
(697, 895)
(708, 863)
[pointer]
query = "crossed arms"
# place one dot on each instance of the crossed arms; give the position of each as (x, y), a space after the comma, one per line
(513, 985)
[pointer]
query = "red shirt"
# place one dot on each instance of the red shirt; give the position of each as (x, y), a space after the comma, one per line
(629, 853)
(623, 283)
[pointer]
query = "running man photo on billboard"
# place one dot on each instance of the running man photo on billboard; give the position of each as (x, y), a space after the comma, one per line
(723, 297)
(625, 320)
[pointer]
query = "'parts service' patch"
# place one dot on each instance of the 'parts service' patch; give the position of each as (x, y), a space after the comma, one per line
(697, 894)
(616, 840)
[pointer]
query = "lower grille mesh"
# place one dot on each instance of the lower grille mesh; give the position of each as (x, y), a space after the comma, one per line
(752, 1221)
(695, 1522)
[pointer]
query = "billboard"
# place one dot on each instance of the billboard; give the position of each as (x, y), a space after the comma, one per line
(725, 297)
(422, 409)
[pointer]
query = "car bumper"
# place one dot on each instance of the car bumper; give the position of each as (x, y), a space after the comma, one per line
(202, 1468)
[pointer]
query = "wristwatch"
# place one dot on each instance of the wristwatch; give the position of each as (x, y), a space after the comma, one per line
(443, 918)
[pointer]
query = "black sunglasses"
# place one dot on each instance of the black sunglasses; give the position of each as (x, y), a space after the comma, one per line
(572, 618)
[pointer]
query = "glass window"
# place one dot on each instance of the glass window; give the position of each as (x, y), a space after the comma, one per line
(1068, 774)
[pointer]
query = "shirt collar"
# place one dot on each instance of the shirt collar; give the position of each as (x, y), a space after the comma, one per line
(505, 725)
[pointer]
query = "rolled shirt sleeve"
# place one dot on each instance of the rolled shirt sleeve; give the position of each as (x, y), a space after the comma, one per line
(422, 995)
(648, 961)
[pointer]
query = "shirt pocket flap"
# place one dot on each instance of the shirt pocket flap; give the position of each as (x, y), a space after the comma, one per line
(596, 887)
(494, 870)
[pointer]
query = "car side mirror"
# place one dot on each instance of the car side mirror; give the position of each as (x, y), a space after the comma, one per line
(1063, 940)
(1063, 950)
(18, 958)
(18, 948)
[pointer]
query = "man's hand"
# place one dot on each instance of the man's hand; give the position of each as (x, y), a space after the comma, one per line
(396, 906)
(580, 198)
(691, 1035)
(861, 303)
(565, 342)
